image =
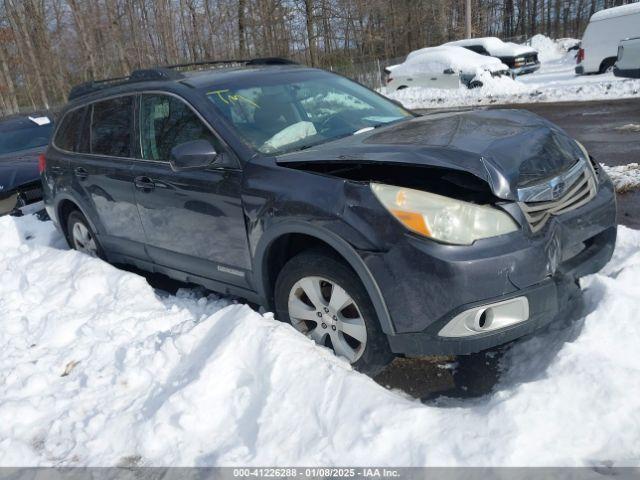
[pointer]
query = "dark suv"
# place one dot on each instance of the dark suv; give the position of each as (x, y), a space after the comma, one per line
(370, 229)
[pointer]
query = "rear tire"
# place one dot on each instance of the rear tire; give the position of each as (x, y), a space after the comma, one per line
(324, 299)
(607, 65)
(81, 236)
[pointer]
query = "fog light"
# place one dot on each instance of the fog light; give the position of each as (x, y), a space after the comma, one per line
(487, 318)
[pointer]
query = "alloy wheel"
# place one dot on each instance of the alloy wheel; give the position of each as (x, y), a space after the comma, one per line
(83, 240)
(325, 312)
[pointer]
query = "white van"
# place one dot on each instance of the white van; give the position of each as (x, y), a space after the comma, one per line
(628, 64)
(599, 48)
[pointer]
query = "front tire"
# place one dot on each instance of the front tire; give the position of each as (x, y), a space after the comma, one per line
(325, 300)
(81, 236)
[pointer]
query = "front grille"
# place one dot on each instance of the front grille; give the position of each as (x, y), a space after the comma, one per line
(581, 192)
(595, 165)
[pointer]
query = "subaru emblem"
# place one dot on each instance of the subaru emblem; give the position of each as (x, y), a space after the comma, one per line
(557, 190)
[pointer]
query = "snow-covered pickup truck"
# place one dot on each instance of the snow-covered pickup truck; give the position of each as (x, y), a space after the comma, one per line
(628, 63)
(443, 67)
(519, 58)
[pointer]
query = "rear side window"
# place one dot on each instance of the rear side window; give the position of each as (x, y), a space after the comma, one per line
(111, 122)
(166, 122)
(478, 49)
(70, 127)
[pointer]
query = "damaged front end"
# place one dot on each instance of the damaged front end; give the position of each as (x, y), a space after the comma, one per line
(480, 213)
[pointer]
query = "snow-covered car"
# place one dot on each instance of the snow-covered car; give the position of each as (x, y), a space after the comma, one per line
(443, 67)
(598, 50)
(628, 62)
(22, 139)
(520, 59)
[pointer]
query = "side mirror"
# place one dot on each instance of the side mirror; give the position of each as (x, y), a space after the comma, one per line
(449, 71)
(192, 155)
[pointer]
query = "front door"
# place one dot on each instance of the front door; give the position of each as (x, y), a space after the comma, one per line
(193, 220)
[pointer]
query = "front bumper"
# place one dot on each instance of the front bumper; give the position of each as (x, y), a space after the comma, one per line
(525, 69)
(627, 73)
(426, 284)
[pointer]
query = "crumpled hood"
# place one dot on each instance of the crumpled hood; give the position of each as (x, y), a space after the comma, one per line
(506, 148)
(18, 168)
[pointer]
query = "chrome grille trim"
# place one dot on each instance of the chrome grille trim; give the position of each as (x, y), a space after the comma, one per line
(545, 191)
(580, 193)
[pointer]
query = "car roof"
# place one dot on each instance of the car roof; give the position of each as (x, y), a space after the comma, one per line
(201, 74)
(205, 78)
(607, 13)
(494, 46)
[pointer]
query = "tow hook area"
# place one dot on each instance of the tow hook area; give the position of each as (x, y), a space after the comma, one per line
(487, 318)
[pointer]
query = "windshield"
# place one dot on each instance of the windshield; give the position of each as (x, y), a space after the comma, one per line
(23, 135)
(297, 111)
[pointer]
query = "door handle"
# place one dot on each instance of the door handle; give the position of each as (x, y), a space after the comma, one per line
(144, 184)
(81, 173)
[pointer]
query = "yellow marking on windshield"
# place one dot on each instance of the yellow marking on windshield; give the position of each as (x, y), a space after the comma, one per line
(228, 97)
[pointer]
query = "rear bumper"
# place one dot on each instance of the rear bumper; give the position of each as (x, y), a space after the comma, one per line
(425, 285)
(19, 197)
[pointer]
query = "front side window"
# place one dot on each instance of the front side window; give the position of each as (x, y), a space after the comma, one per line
(283, 114)
(166, 122)
(111, 127)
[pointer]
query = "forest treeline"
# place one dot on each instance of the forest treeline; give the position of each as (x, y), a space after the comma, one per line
(46, 46)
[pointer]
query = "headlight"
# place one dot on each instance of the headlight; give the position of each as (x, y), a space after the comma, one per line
(443, 218)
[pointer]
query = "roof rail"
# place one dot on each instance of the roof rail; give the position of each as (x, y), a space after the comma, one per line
(202, 65)
(142, 75)
(169, 72)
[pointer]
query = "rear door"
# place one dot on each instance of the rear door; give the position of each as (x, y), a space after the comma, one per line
(102, 175)
(193, 220)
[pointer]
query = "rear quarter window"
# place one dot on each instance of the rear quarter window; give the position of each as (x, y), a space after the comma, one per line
(67, 135)
(111, 122)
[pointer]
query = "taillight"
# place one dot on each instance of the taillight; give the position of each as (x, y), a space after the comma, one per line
(42, 162)
(580, 56)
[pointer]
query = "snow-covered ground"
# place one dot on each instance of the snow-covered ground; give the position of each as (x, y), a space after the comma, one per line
(624, 177)
(97, 368)
(555, 81)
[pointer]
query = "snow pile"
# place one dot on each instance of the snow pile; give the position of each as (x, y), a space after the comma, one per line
(550, 50)
(566, 87)
(96, 368)
(624, 177)
(555, 81)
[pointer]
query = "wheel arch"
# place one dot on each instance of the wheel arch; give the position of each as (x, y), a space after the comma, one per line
(268, 261)
(64, 206)
(606, 63)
